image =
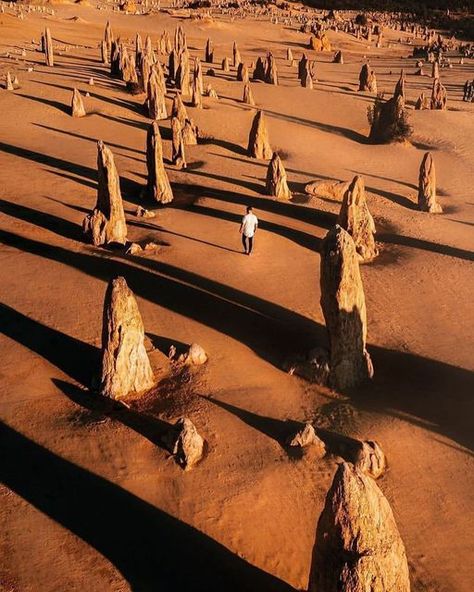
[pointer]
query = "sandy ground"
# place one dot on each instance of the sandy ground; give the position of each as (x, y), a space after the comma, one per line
(92, 501)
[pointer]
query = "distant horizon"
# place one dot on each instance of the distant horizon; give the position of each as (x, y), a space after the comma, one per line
(384, 5)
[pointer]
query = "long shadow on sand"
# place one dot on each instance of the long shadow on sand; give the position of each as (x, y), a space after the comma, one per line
(74, 357)
(310, 215)
(88, 138)
(261, 325)
(81, 362)
(428, 393)
(43, 219)
(129, 187)
(152, 550)
(276, 429)
(318, 217)
(55, 104)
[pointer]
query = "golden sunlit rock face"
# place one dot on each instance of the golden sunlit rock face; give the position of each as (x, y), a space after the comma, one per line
(126, 369)
(358, 546)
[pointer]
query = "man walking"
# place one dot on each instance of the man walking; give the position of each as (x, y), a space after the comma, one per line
(248, 228)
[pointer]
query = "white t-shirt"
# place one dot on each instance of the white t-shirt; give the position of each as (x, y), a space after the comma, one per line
(249, 225)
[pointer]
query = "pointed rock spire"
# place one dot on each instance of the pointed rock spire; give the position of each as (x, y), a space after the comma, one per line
(248, 96)
(439, 96)
(427, 200)
(158, 186)
(367, 79)
(126, 370)
(356, 219)
(358, 545)
(77, 105)
(276, 184)
(48, 47)
(343, 305)
(106, 224)
(259, 145)
(156, 97)
(177, 145)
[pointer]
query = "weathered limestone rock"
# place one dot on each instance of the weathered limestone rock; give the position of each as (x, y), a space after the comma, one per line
(158, 186)
(77, 105)
(183, 75)
(196, 97)
(178, 109)
(209, 52)
(8, 82)
(326, 44)
(126, 369)
(172, 66)
(356, 219)
(427, 201)
(289, 55)
(334, 189)
(358, 547)
(108, 37)
(48, 47)
(259, 70)
(155, 101)
(307, 437)
(185, 443)
(367, 79)
(242, 73)
(115, 56)
(197, 75)
(276, 184)
(211, 92)
(133, 249)
(343, 305)
(142, 212)
(177, 145)
(370, 459)
(236, 55)
(189, 129)
(435, 70)
(303, 67)
(225, 65)
(148, 51)
(400, 86)
(338, 58)
(320, 42)
(195, 356)
(189, 132)
(259, 145)
(422, 103)
(129, 72)
(107, 223)
(138, 50)
(271, 73)
(248, 96)
(315, 43)
(439, 96)
(307, 80)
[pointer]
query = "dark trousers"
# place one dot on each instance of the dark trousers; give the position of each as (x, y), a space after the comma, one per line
(247, 242)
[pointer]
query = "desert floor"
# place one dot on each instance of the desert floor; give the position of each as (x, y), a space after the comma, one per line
(91, 500)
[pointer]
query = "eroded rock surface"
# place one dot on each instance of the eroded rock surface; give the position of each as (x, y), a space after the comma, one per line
(126, 370)
(358, 547)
